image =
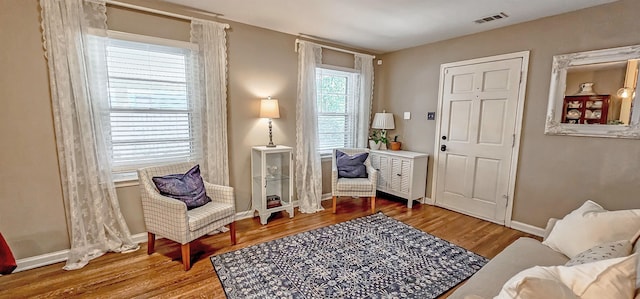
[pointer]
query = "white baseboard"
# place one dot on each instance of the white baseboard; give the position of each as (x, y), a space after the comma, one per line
(244, 215)
(42, 260)
(141, 238)
(326, 196)
(527, 228)
(428, 201)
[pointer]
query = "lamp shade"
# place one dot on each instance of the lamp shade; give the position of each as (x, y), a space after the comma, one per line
(269, 108)
(383, 121)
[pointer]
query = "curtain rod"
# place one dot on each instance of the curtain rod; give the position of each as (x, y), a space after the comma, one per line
(161, 12)
(331, 48)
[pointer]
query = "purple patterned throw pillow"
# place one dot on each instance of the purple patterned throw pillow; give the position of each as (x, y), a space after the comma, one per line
(188, 187)
(351, 166)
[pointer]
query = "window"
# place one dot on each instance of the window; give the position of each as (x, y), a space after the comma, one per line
(152, 116)
(337, 92)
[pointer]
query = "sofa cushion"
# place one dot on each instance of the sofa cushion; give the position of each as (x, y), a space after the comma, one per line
(354, 185)
(522, 254)
(205, 215)
(600, 252)
(591, 225)
(537, 288)
(612, 278)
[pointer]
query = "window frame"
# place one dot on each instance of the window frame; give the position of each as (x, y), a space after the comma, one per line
(121, 175)
(353, 82)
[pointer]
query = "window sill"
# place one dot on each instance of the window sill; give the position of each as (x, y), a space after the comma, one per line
(125, 180)
(325, 157)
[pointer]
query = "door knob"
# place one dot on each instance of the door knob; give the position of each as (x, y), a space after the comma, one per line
(443, 148)
(444, 137)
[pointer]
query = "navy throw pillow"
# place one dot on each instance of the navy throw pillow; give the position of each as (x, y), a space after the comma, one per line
(351, 166)
(188, 187)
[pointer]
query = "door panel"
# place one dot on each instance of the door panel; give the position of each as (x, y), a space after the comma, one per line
(462, 83)
(460, 119)
(485, 186)
(456, 167)
(492, 118)
(383, 175)
(400, 173)
(496, 80)
(479, 104)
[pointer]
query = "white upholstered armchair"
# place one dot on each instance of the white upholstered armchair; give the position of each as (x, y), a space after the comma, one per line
(360, 187)
(169, 218)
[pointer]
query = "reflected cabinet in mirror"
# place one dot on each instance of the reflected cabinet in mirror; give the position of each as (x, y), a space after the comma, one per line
(594, 94)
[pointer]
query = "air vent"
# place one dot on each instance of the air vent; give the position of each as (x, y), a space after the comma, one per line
(499, 16)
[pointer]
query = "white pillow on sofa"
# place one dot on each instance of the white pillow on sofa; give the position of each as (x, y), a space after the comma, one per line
(612, 278)
(591, 225)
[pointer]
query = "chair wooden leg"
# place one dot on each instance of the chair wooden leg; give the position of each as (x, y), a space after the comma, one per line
(373, 204)
(186, 256)
(334, 204)
(232, 231)
(151, 243)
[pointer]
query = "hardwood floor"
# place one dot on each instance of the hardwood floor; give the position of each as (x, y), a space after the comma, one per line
(138, 275)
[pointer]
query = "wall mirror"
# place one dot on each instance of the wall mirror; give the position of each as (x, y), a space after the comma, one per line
(594, 94)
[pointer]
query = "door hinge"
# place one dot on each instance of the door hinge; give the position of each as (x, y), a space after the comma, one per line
(506, 200)
(513, 141)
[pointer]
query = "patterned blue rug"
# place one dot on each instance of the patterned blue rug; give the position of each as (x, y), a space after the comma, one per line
(369, 257)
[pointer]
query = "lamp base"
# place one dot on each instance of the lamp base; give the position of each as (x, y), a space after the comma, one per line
(270, 136)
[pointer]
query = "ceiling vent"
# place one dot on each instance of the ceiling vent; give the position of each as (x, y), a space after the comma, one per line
(499, 16)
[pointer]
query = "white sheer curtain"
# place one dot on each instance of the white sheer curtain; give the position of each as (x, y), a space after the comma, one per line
(364, 64)
(210, 65)
(79, 98)
(308, 167)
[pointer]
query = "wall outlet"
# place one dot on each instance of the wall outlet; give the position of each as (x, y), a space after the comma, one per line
(407, 115)
(431, 115)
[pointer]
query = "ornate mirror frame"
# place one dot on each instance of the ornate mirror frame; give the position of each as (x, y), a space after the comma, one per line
(561, 63)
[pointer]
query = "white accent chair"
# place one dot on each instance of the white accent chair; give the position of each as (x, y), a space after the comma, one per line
(169, 218)
(360, 187)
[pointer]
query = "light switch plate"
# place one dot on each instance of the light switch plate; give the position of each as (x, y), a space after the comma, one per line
(407, 115)
(431, 115)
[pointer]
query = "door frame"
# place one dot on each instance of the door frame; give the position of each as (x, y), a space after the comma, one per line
(524, 68)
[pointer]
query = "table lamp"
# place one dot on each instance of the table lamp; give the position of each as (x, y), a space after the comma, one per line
(269, 109)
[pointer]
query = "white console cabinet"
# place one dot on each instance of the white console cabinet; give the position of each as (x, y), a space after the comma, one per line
(401, 173)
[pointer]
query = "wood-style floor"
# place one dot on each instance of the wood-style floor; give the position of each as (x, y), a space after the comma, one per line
(138, 275)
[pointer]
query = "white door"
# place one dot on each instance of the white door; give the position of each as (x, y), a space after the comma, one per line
(476, 137)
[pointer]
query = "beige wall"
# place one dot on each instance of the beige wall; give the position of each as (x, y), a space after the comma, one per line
(555, 173)
(32, 217)
(261, 63)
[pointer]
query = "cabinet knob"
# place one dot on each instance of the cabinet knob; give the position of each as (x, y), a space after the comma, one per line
(398, 174)
(378, 169)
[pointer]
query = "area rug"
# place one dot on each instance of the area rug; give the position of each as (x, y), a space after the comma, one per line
(369, 257)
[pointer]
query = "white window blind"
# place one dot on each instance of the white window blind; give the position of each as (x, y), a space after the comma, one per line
(337, 112)
(151, 115)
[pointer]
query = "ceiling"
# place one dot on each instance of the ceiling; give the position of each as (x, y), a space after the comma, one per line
(383, 26)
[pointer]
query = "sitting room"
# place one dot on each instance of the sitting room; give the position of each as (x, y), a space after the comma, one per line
(325, 149)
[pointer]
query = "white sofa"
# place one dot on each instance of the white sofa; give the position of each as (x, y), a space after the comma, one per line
(522, 254)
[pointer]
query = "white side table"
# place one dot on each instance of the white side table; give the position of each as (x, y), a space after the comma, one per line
(272, 180)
